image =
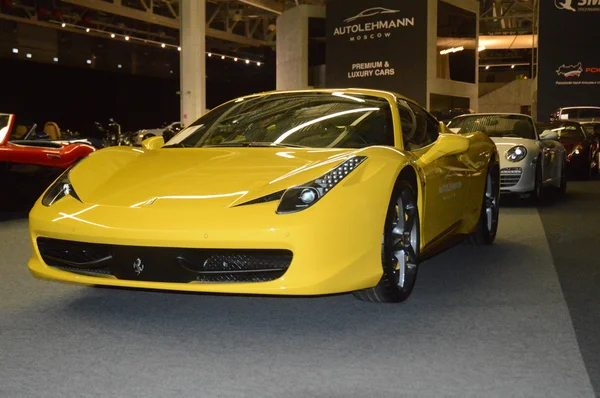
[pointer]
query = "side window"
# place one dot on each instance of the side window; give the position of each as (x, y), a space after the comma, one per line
(423, 129)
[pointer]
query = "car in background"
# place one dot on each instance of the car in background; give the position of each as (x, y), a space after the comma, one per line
(446, 115)
(143, 134)
(577, 114)
(582, 149)
(529, 162)
(592, 129)
(41, 152)
(287, 193)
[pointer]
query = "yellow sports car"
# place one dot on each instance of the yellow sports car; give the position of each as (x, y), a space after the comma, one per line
(288, 193)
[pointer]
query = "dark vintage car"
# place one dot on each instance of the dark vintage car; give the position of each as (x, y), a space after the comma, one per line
(581, 147)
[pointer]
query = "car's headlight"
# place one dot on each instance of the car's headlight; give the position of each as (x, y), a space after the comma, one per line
(61, 188)
(516, 153)
(303, 196)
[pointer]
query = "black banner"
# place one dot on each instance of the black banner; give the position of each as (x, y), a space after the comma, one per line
(569, 60)
(378, 44)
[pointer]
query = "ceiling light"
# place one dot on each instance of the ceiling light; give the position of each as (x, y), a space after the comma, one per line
(247, 61)
(178, 48)
(163, 45)
(89, 61)
(235, 59)
(258, 63)
(55, 59)
(15, 50)
(222, 57)
(28, 55)
(209, 54)
(126, 37)
(481, 48)
(119, 66)
(88, 30)
(63, 25)
(112, 35)
(512, 67)
(487, 67)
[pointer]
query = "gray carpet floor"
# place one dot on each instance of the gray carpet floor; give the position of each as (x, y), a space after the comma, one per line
(482, 322)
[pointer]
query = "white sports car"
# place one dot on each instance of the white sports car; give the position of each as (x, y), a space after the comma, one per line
(529, 161)
(141, 135)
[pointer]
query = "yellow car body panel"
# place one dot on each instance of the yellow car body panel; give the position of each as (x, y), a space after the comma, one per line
(191, 198)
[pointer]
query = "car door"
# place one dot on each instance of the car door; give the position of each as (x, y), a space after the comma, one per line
(446, 178)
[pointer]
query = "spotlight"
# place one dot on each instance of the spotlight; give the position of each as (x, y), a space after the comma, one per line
(235, 59)
(163, 45)
(487, 67)
(258, 64)
(89, 61)
(178, 48)
(88, 30)
(512, 67)
(55, 59)
(209, 54)
(119, 66)
(28, 55)
(63, 25)
(127, 38)
(15, 50)
(247, 61)
(112, 35)
(222, 57)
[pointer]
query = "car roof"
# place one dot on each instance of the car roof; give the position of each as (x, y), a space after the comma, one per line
(349, 91)
(580, 107)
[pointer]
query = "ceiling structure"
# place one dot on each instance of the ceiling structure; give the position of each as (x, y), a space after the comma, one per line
(239, 26)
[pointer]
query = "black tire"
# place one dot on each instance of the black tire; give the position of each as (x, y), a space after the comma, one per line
(562, 189)
(487, 226)
(538, 193)
(399, 249)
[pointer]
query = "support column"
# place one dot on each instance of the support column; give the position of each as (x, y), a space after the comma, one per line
(193, 59)
(292, 46)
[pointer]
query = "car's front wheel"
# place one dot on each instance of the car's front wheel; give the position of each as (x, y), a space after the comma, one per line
(399, 249)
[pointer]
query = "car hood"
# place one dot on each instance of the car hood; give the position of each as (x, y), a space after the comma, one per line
(569, 143)
(504, 144)
(122, 176)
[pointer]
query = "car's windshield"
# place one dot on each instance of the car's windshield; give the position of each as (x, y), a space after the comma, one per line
(568, 130)
(592, 129)
(514, 126)
(316, 120)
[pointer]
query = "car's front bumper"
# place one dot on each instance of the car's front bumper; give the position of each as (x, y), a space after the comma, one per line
(333, 250)
(517, 177)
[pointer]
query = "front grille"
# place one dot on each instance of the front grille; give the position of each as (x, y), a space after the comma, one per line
(510, 177)
(164, 264)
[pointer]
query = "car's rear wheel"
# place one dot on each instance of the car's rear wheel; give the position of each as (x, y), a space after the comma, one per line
(487, 225)
(399, 249)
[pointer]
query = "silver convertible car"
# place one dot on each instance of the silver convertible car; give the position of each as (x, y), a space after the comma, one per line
(529, 161)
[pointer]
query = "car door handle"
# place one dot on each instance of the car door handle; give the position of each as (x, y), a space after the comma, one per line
(52, 156)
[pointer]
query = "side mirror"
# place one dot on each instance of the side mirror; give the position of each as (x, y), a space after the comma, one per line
(549, 135)
(446, 145)
(155, 142)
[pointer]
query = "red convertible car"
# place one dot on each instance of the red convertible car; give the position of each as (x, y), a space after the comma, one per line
(15, 148)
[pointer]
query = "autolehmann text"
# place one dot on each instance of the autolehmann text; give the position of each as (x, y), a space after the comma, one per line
(371, 26)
